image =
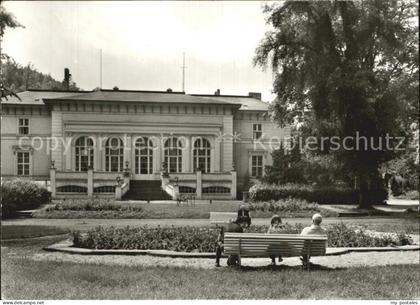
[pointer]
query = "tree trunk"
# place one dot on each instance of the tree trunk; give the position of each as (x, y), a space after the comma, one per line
(363, 193)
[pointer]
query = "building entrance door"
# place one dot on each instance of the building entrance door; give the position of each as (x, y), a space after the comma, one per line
(143, 160)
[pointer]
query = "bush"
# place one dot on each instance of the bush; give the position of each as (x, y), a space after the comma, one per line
(284, 205)
(94, 204)
(21, 194)
(320, 195)
(194, 239)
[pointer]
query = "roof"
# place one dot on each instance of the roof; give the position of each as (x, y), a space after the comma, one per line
(246, 102)
(35, 97)
(141, 96)
(40, 97)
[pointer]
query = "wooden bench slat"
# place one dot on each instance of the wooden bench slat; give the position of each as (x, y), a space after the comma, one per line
(275, 236)
(265, 245)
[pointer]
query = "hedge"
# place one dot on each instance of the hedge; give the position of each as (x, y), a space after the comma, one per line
(320, 195)
(19, 194)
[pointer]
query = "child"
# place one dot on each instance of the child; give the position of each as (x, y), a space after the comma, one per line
(276, 227)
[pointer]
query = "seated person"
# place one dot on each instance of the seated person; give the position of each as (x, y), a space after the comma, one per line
(234, 226)
(243, 215)
(276, 227)
(314, 229)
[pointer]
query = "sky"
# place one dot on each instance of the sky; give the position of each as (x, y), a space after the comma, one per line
(142, 44)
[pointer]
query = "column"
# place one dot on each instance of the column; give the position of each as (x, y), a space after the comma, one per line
(199, 185)
(127, 151)
(216, 160)
(90, 182)
(233, 185)
(227, 157)
(52, 182)
(189, 164)
(57, 137)
(186, 154)
(97, 159)
(157, 155)
(69, 152)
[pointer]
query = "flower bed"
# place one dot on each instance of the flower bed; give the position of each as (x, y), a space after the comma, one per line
(95, 204)
(193, 239)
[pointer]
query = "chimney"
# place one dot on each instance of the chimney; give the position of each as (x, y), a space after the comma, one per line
(67, 77)
(256, 95)
(217, 92)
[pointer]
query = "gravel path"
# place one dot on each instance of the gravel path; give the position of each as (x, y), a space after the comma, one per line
(341, 261)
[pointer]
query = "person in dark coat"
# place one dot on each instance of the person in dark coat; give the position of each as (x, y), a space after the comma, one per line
(234, 226)
(243, 215)
(276, 227)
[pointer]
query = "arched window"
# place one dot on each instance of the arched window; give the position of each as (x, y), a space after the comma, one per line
(144, 156)
(84, 154)
(114, 155)
(201, 155)
(173, 155)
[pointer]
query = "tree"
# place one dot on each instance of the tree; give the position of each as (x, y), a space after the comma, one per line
(288, 166)
(7, 20)
(338, 69)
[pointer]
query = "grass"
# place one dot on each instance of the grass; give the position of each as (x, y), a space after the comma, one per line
(166, 211)
(25, 279)
(24, 231)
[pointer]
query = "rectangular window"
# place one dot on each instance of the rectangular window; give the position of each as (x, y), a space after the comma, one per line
(23, 126)
(23, 163)
(256, 131)
(257, 166)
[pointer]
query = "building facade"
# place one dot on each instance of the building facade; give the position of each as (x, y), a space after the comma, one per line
(108, 142)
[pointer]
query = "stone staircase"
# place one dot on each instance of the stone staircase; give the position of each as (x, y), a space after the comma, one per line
(146, 190)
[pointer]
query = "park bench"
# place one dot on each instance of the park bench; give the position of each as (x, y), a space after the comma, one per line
(221, 217)
(265, 245)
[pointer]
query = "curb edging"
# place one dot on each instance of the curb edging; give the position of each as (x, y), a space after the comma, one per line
(67, 247)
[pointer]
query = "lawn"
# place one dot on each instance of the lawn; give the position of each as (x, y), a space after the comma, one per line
(28, 231)
(25, 279)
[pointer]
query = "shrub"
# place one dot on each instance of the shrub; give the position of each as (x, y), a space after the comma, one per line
(320, 195)
(284, 205)
(195, 239)
(19, 194)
